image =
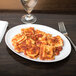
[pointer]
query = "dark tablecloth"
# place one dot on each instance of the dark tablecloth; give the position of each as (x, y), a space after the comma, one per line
(14, 65)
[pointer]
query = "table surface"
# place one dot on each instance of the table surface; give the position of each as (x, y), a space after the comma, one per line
(14, 65)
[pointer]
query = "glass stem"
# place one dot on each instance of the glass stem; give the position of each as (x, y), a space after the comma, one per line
(28, 15)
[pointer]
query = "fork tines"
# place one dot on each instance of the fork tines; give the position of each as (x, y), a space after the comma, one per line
(62, 27)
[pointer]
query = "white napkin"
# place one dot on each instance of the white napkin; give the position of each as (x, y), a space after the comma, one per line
(3, 27)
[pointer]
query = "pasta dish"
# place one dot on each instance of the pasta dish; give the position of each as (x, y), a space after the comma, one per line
(37, 44)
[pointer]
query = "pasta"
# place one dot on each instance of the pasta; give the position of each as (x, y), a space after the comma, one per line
(37, 44)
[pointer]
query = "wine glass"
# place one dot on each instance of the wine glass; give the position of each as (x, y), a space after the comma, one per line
(28, 6)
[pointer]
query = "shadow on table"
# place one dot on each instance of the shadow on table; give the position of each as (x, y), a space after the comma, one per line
(38, 65)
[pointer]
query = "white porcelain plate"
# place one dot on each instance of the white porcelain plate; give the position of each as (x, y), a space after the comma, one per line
(17, 29)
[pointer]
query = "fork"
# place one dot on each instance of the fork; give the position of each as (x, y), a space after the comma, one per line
(62, 29)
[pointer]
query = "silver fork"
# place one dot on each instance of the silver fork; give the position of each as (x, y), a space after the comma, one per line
(63, 31)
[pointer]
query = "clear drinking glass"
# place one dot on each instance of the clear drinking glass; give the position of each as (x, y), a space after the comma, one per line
(28, 6)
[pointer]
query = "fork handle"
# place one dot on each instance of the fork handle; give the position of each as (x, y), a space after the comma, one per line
(71, 42)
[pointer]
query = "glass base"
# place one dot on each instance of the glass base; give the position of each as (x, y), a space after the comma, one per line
(28, 18)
